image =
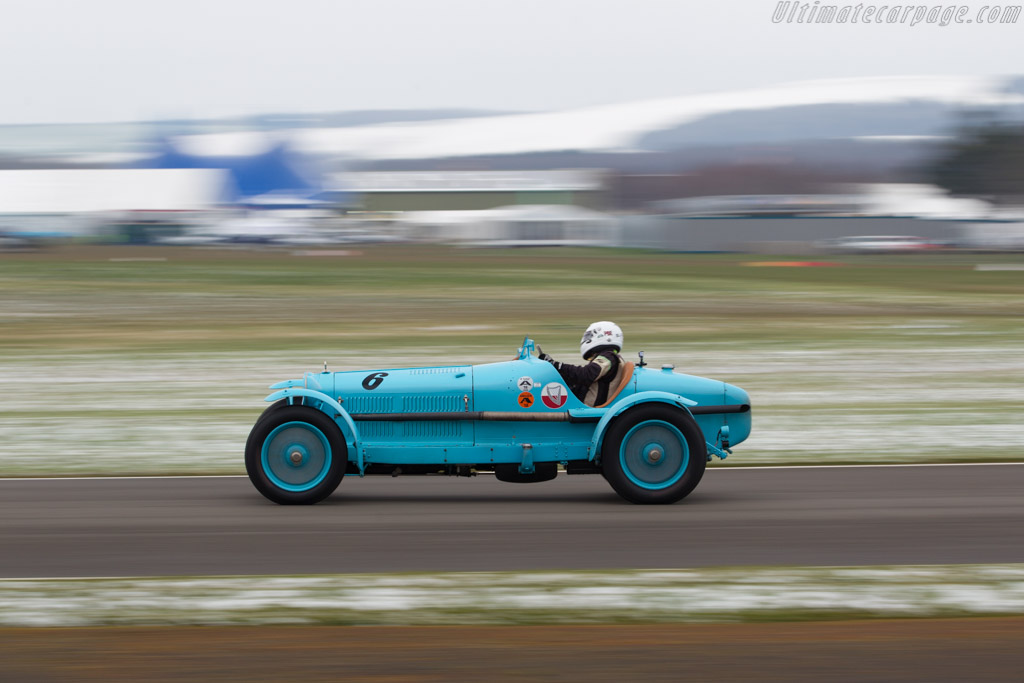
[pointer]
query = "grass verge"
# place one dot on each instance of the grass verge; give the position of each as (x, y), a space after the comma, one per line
(509, 598)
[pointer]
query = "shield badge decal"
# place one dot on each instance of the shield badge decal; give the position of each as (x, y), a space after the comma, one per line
(554, 395)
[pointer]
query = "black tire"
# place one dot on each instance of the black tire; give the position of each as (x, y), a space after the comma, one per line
(295, 455)
(654, 454)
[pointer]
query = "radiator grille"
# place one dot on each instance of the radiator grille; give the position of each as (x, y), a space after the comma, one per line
(369, 404)
(376, 430)
(434, 404)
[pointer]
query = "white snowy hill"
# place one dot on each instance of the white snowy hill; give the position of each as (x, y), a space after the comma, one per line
(873, 108)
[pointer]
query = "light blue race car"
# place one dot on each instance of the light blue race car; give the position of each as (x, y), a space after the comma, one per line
(651, 440)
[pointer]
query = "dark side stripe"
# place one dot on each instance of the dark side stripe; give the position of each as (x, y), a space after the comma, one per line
(502, 416)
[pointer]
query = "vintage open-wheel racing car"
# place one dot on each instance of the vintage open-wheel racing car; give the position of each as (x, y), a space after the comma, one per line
(651, 439)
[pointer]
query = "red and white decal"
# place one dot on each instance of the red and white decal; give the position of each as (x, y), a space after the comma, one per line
(554, 395)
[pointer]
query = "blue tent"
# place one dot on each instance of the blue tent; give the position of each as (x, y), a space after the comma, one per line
(259, 179)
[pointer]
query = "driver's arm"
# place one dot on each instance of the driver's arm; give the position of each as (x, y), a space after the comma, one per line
(582, 375)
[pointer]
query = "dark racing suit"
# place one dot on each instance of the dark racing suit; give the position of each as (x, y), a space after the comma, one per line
(591, 383)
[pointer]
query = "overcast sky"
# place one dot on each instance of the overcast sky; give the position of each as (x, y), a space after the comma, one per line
(123, 60)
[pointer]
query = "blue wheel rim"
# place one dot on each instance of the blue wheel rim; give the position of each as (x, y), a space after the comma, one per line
(654, 455)
(296, 456)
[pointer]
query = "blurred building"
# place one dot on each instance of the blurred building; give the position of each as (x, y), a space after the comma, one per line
(514, 226)
(77, 202)
(399, 191)
(761, 205)
(996, 234)
(805, 223)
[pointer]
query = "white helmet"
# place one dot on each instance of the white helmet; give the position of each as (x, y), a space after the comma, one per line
(604, 333)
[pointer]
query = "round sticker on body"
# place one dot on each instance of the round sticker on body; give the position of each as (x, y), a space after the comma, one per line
(554, 395)
(525, 383)
(526, 399)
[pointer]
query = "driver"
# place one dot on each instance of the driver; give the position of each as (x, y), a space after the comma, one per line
(600, 346)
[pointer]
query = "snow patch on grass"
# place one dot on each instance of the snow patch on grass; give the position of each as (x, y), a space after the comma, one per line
(733, 594)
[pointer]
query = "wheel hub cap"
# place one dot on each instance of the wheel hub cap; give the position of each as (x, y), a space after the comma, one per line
(653, 453)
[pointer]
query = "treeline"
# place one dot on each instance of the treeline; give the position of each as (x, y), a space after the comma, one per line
(984, 160)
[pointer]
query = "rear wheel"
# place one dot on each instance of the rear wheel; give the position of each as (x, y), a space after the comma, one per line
(654, 454)
(295, 455)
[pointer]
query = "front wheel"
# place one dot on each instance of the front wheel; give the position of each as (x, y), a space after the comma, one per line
(295, 455)
(654, 454)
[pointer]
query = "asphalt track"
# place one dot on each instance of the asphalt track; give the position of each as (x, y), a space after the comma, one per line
(765, 516)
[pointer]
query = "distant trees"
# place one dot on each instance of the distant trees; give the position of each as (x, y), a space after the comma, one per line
(633, 191)
(984, 159)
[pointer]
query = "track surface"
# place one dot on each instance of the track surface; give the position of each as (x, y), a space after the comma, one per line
(771, 516)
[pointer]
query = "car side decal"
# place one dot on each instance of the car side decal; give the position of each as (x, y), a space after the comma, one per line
(526, 399)
(371, 382)
(554, 395)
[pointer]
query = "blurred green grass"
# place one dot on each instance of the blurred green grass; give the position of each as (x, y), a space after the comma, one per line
(204, 300)
(114, 363)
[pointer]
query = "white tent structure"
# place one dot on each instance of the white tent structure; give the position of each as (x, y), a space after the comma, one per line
(66, 200)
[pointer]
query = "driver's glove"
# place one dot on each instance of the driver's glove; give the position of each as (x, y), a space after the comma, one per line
(544, 356)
